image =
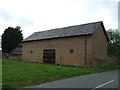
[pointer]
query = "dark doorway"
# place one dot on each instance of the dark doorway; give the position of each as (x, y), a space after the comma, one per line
(49, 56)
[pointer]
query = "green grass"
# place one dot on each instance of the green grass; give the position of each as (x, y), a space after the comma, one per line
(17, 74)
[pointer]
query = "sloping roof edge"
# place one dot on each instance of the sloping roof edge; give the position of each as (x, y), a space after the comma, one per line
(55, 38)
(106, 35)
(82, 32)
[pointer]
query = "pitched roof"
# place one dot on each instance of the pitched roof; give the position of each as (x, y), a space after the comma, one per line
(77, 30)
(17, 50)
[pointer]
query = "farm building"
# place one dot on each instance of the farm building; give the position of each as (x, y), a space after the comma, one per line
(15, 54)
(84, 44)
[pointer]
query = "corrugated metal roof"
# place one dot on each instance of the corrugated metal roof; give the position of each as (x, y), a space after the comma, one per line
(84, 29)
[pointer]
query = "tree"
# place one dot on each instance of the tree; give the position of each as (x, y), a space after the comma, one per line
(11, 38)
(114, 42)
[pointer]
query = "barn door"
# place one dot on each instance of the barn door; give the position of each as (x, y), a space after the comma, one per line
(49, 56)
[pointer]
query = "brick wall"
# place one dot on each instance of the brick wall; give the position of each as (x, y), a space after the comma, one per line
(93, 53)
(99, 47)
(10, 56)
(62, 47)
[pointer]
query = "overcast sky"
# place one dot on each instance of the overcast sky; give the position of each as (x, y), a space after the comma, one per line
(39, 15)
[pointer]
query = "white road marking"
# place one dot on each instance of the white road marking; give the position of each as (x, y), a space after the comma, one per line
(103, 84)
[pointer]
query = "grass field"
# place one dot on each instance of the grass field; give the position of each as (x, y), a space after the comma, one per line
(17, 74)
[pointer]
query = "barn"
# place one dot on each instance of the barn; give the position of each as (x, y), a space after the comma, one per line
(84, 45)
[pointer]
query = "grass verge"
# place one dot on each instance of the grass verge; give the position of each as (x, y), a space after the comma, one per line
(17, 74)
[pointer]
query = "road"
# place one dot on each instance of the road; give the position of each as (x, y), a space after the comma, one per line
(107, 79)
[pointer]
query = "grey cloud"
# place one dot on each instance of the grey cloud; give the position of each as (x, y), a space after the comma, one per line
(110, 7)
(24, 21)
(5, 15)
(119, 15)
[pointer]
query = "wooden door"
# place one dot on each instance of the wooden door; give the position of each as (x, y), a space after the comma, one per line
(49, 56)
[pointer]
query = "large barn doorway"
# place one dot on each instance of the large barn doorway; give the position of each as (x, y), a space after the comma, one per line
(49, 56)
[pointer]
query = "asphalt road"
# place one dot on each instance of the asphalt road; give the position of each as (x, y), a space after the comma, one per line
(107, 79)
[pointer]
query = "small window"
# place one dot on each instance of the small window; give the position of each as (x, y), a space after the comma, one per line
(31, 51)
(71, 51)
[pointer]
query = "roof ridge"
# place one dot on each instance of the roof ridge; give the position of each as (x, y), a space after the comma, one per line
(74, 30)
(69, 26)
